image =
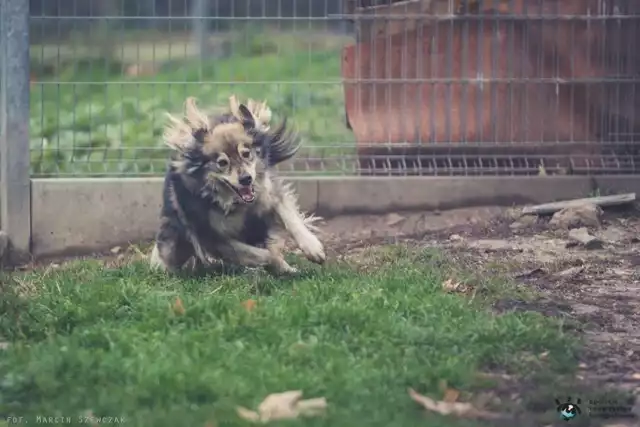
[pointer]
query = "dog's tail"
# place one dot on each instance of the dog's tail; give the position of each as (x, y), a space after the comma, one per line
(280, 144)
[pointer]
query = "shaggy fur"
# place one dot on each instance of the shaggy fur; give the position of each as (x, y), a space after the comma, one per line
(220, 199)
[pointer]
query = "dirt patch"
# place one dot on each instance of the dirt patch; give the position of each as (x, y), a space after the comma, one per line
(596, 291)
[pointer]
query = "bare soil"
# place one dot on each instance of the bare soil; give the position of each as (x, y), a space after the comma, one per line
(597, 292)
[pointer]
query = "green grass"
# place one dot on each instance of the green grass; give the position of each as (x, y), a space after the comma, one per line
(87, 337)
(91, 118)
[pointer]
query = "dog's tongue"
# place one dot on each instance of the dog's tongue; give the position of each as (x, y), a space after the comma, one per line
(246, 193)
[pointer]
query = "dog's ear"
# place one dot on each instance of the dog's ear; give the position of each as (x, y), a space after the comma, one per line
(251, 127)
(188, 132)
(261, 113)
(246, 117)
(198, 135)
(233, 105)
(194, 117)
(197, 120)
(242, 113)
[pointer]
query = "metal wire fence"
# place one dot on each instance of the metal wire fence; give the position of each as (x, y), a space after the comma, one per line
(383, 88)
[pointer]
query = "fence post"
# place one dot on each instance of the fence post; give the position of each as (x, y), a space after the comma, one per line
(15, 185)
(200, 26)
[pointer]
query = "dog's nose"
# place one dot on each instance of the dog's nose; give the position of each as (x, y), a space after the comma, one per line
(245, 179)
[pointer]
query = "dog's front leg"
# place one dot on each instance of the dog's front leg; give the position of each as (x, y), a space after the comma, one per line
(275, 245)
(242, 254)
(311, 247)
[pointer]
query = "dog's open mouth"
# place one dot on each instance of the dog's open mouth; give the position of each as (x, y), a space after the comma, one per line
(246, 193)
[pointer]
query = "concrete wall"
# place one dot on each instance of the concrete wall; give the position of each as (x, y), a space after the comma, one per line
(75, 216)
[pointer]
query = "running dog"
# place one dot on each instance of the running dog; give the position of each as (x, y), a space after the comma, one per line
(220, 198)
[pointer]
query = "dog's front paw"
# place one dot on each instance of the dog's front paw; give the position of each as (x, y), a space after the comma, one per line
(313, 250)
(280, 266)
(287, 269)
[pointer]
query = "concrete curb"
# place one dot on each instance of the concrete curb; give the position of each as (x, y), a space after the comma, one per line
(76, 216)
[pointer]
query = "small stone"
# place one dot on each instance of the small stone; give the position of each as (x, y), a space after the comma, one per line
(621, 272)
(525, 221)
(531, 273)
(493, 245)
(455, 238)
(585, 215)
(613, 235)
(394, 219)
(570, 272)
(582, 309)
(513, 214)
(582, 236)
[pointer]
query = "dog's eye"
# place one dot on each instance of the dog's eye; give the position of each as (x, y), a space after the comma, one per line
(223, 163)
(246, 154)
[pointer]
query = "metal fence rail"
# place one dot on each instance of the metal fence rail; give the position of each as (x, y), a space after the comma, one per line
(517, 88)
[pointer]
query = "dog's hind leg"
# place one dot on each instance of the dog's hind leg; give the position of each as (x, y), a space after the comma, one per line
(293, 221)
(171, 250)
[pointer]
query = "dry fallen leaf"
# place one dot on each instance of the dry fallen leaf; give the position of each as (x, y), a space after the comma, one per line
(139, 254)
(450, 285)
(177, 307)
(248, 414)
(249, 304)
(394, 219)
(451, 395)
(284, 406)
(464, 410)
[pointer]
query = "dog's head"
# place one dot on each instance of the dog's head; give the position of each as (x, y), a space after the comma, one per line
(219, 157)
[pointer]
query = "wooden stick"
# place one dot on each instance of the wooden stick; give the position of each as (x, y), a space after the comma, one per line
(582, 236)
(551, 208)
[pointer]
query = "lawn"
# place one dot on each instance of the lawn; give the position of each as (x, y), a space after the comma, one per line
(91, 115)
(115, 342)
